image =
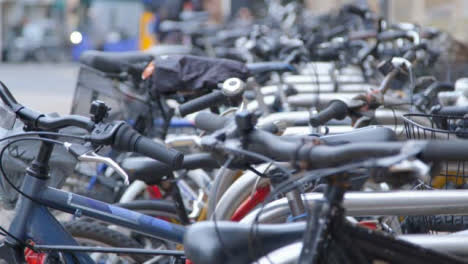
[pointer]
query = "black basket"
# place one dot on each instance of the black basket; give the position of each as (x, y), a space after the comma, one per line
(438, 127)
(128, 102)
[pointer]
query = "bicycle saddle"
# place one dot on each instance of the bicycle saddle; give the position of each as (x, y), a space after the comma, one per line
(113, 62)
(202, 242)
(264, 67)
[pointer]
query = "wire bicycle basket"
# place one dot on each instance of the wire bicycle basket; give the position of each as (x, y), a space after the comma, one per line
(126, 101)
(440, 127)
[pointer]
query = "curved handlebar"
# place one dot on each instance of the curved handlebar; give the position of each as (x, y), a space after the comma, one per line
(140, 168)
(37, 120)
(322, 156)
(7, 97)
(117, 134)
(451, 111)
(336, 109)
(205, 101)
(210, 122)
(305, 149)
(127, 139)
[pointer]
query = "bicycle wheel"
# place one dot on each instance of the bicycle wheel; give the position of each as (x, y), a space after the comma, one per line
(220, 185)
(237, 193)
(92, 234)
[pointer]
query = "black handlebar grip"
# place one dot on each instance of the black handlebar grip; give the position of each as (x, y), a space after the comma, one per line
(335, 110)
(127, 139)
(210, 122)
(451, 111)
(212, 99)
(445, 150)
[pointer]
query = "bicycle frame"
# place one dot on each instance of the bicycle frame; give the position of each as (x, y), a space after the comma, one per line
(451, 244)
(408, 203)
(34, 222)
(257, 198)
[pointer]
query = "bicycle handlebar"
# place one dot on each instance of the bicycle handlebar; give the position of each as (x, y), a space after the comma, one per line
(129, 140)
(205, 101)
(443, 150)
(305, 150)
(116, 134)
(336, 109)
(37, 120)
(392, 35)
(231, 92)
(451, 111)
(210, 122)
(7, 97)
(143, 169)
(322, 156)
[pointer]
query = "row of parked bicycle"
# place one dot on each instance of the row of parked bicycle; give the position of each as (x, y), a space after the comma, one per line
(328, 139)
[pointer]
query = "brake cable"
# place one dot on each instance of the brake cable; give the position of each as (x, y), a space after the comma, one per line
(21, 137)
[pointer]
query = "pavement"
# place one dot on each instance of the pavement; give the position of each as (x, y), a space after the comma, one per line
(44, 87)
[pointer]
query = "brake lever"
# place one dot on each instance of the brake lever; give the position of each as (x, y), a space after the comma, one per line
(93, 157)
(84, 154)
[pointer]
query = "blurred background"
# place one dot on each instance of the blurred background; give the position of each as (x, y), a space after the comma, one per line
(41, 39)
(60, 30)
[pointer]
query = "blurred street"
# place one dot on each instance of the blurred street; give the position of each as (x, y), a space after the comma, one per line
(44, 87)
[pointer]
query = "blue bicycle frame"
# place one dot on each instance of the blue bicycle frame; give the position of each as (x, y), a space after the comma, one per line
(34, 222)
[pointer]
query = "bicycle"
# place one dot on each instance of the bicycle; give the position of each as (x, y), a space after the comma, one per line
(35, 228)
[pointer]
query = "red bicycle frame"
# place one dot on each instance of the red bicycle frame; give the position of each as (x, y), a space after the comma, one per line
(250, 203)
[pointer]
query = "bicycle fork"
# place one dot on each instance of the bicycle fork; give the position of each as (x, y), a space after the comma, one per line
(321, 223)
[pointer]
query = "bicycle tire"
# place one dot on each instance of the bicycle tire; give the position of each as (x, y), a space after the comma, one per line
(384, 247)
(219, 186)
(95, 234)
(156, 208)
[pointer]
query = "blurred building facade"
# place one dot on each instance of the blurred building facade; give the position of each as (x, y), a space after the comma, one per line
(449, 15)
(45, 19)
(63, 16)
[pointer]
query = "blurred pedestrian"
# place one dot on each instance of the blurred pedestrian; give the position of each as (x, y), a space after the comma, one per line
(166, 10)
